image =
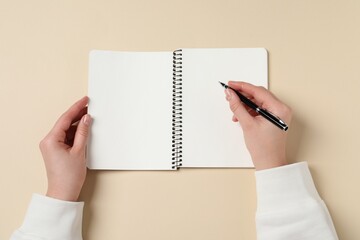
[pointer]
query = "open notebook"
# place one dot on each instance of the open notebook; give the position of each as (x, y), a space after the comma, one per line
(165, 110)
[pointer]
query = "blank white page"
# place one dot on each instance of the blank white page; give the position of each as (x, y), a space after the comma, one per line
(210, 138)
(131, 106)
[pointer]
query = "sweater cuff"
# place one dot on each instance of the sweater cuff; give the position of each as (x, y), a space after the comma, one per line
(51, 218)
(282, 186)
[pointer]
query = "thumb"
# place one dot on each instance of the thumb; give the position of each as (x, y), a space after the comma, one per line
(82, 133)
(239, 110)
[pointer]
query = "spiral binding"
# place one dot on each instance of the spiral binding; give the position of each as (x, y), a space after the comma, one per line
(177, 110)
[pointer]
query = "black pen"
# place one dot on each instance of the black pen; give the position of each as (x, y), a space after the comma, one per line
(267, 115)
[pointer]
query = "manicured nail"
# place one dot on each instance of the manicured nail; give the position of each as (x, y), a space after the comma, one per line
(228, 94)
(87, 119)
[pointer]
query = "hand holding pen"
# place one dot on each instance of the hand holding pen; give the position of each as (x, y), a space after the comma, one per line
(265, 142)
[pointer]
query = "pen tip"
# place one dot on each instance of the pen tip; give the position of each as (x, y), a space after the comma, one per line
(223, 84)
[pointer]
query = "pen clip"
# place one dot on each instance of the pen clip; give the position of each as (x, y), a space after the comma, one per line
(271, 116)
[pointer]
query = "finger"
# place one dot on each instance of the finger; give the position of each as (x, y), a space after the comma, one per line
(80, 115)
(238, 108)
(261, 95)
(234, 119)
(70, 116)
(264, 98)
(82, 133)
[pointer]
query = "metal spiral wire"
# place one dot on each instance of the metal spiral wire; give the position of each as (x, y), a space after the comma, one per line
(177, 110)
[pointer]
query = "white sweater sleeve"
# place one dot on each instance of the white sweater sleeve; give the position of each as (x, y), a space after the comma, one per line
(49, 218)
(289, 206)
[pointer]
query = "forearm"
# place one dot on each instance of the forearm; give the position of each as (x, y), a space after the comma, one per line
(289, 206)
(49, 218)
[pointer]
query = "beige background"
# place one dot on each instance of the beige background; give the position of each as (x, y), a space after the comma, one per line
(314, 53)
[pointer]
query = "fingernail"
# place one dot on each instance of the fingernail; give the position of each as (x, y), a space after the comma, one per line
(228, 94)
(87, 119)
